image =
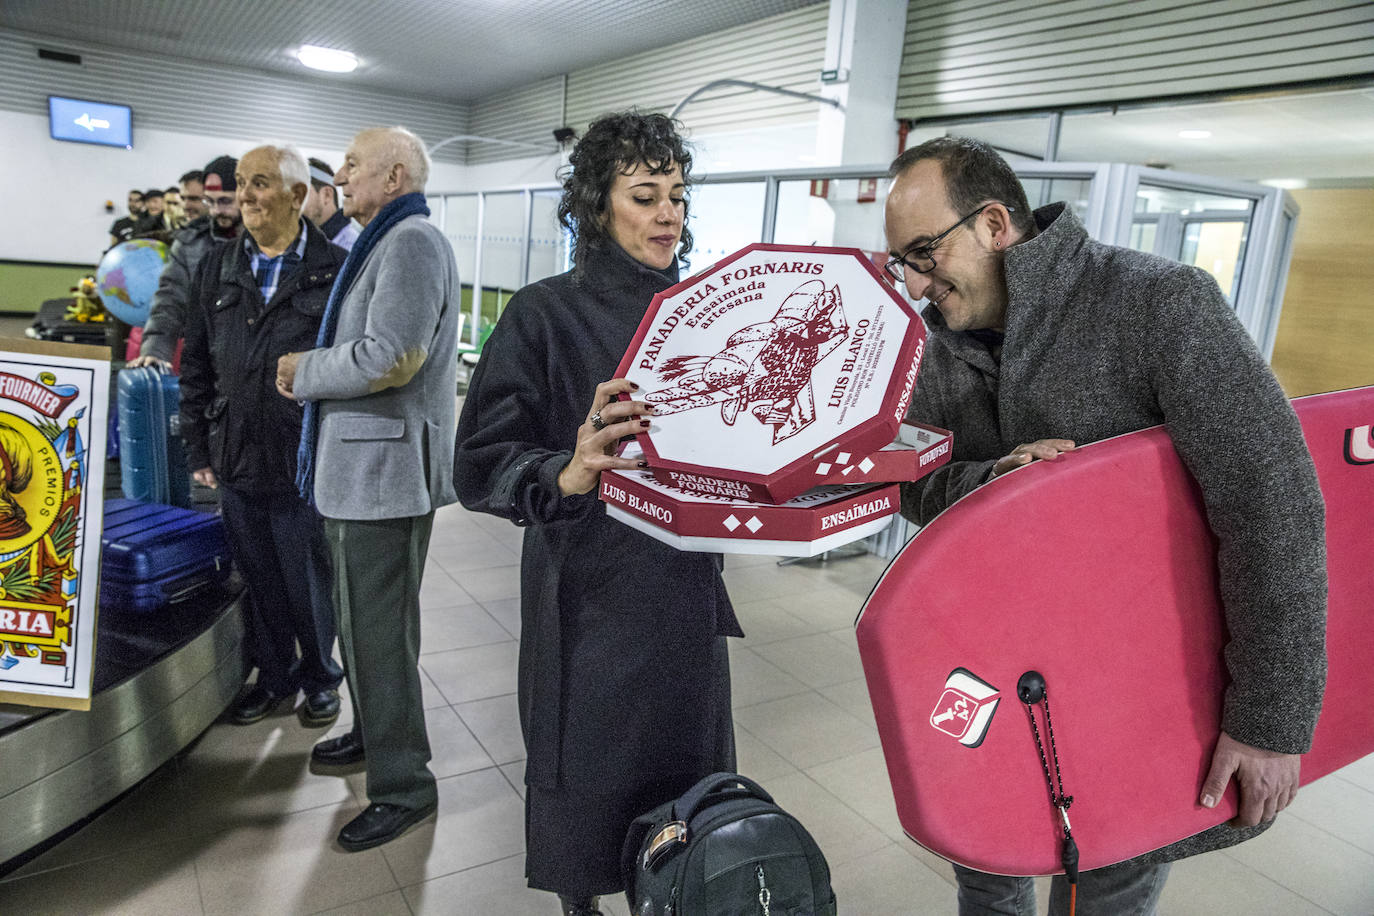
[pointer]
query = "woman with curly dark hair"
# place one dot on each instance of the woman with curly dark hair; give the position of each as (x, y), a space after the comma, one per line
(624, 684)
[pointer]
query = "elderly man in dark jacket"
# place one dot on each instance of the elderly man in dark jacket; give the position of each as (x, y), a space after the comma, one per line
(252, 300)
(1043, 339)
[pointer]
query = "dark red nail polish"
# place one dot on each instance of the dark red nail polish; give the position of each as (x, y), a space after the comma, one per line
(644, 464)
(644, 423)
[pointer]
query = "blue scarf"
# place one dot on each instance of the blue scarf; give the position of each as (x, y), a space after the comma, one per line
(385, 220)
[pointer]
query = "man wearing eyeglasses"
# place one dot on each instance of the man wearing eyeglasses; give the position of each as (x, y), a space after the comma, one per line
(1042, 339)
(162, 330)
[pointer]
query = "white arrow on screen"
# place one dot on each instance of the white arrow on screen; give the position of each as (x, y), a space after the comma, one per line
(91, 123)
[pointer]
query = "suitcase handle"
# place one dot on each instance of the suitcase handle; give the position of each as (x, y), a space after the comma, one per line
(190, 586)
(187, 592)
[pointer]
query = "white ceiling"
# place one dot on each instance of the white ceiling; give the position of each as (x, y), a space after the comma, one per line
(462, 50)
(457, 50)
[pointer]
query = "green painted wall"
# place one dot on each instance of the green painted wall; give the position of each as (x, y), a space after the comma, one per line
(493, 302)
(24, 287)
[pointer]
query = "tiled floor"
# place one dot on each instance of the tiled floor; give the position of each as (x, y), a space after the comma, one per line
(239, 825)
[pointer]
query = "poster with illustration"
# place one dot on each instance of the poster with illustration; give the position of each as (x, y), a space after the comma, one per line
(54, 403)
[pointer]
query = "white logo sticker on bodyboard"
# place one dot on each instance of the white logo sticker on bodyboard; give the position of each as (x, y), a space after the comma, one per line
(964, 711)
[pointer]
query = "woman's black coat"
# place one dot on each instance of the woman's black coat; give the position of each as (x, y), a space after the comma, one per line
(616, 684)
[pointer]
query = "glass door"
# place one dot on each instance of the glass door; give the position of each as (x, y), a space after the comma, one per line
(1239, 232)
(550, 249)
(1205, 230)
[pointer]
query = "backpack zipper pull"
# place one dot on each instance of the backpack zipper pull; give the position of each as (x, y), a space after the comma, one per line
(765, 895)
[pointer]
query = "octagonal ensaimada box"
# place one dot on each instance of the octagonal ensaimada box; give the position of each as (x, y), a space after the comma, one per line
(770, 364)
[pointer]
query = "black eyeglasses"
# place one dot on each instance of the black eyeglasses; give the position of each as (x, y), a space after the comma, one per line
(922, 257)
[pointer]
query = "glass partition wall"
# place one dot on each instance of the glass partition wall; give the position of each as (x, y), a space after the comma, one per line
(1240, 233)
(502, 240)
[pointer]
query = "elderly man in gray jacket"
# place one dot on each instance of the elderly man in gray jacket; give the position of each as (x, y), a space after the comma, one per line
(1042, 339)
(376, 458)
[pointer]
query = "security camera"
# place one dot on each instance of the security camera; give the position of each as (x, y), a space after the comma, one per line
(564, 135)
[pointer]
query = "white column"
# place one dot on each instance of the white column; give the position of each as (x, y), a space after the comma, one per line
(863, 47)
(863, 54)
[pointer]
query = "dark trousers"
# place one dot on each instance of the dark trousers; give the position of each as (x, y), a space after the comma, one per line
(1115, 890)
(278, 544)
(377, 570)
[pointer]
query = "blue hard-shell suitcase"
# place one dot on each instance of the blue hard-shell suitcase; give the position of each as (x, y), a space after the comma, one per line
(152, 459)
(153, 555)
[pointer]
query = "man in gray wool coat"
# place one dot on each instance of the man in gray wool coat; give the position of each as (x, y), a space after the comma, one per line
(376, 458)
(1042, 339)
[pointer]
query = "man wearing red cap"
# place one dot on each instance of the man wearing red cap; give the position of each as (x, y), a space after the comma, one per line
(168, 312)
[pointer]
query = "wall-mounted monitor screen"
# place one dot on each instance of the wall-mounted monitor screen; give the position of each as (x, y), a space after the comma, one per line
(84, 121)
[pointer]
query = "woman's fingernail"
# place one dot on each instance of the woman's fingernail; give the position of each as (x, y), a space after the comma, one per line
(644, 423)
(644, 464)
(633, 386)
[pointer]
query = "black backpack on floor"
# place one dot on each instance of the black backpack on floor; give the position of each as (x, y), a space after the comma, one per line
(724, 849)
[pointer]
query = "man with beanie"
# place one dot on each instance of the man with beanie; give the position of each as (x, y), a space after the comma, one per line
(153, 220)
(376, 458)
(322, 207)
(167, 315)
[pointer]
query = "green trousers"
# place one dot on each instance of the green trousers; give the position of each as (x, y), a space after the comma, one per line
(377, 570)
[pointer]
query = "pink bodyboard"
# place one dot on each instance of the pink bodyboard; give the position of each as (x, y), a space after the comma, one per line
(1098, 570)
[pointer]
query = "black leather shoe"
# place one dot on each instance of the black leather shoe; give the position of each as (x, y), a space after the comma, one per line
(584, 907)
(320, 708)
(345, 749)
(253, 705)
(380, 824)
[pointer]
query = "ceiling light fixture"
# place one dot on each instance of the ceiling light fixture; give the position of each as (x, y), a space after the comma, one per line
(1194, 134)
(327, 59)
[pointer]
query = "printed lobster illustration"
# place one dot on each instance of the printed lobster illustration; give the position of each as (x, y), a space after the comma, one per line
(767, 365)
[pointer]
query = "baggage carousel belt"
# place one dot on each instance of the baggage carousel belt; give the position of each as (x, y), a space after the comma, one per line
(160, 680)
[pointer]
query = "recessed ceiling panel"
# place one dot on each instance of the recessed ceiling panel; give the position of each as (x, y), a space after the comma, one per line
(457, 50)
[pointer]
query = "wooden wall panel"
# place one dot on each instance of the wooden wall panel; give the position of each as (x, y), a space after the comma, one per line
(1326, 331)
